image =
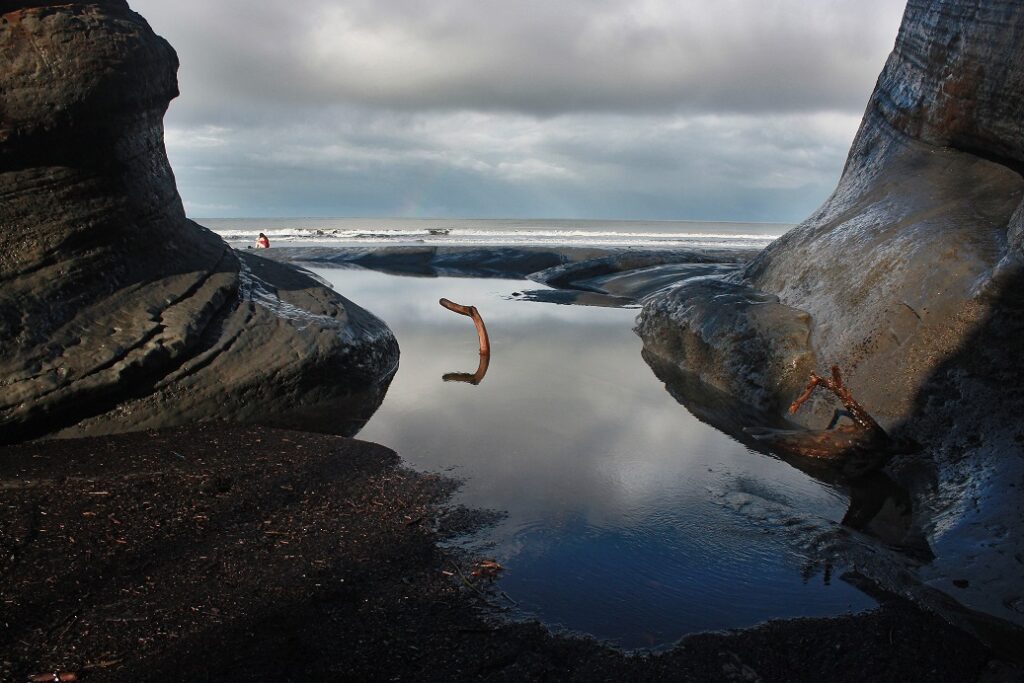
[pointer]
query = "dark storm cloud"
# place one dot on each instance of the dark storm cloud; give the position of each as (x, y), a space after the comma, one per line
(732, 110)
(485, 164)
(532, 56)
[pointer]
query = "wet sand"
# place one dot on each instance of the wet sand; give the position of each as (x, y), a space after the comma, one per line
(226, 553)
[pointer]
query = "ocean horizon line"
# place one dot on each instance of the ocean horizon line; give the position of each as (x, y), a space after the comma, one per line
(495, 219)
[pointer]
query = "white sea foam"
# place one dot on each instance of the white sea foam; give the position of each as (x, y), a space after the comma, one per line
(345, 232)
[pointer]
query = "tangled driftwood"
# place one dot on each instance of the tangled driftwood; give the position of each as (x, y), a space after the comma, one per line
(856, 411)
(855, 449)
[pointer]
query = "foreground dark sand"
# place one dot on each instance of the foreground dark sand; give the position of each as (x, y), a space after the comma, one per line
(225, 553)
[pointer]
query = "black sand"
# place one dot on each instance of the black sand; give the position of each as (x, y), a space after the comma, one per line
(225, 553)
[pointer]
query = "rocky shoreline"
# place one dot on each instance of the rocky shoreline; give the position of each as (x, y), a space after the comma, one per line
(908, 279)
(215, 551)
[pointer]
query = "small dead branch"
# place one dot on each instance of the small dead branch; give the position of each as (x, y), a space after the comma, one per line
(857, 413)
(468, 583)
(473, 378)
(855, 449)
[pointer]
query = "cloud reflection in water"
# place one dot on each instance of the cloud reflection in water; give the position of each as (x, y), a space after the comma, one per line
(628, 518)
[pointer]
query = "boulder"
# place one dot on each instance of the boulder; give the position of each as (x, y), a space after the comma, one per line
(739, 340)
(914, 249)
(117, 312)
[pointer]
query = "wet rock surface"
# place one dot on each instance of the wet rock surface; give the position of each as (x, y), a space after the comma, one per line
(588, 276)
(909, 279)
(738, 339)
(116, 312)
(555, 266)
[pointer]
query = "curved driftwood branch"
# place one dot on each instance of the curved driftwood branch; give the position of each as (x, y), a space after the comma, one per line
(481, 330)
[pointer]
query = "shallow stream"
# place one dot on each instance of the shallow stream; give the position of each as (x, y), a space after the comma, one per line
(626, 517)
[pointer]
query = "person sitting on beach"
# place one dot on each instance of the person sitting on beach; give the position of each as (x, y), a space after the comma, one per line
(262, 242)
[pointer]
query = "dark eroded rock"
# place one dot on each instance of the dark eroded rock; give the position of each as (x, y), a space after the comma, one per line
(116, 312)
(892, 268)
(922, 239)
(739, 340)
(435, 261)
(595, 273)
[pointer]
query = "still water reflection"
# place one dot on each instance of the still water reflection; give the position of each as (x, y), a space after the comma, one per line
(628, 519)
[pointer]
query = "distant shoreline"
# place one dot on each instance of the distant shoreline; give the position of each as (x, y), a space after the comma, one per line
(546, 220)
(364, 232)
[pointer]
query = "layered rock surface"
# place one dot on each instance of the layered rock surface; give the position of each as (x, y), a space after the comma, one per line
(116, 312)
(914, 247)
(909, 277)
(922, 237)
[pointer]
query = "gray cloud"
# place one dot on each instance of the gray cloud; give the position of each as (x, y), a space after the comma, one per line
(532, 56)
(342, 162)
(732, 110)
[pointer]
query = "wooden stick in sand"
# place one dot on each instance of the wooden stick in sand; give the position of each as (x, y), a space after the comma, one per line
(481, 331)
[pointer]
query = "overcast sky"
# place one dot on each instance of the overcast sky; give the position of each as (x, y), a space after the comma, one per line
(650, 109)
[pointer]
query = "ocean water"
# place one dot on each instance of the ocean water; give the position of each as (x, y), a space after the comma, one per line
(365, 232)
(626, 518)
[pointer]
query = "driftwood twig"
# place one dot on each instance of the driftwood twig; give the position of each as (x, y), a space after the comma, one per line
(481, 330)
(855, 449)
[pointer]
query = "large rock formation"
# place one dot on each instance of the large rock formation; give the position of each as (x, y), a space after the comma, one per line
(924, 230)
(909, 277)
(918, 241)
(116, 312)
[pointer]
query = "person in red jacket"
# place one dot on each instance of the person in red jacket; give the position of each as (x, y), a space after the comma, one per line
(262, 242)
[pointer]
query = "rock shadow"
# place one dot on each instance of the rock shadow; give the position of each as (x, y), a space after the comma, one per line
(878, 507)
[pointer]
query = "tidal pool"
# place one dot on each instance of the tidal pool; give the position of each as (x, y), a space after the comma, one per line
(627, 518)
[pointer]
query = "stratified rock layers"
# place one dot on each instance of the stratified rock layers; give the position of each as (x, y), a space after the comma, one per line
(116, 312)
(910, 279)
